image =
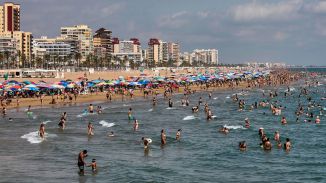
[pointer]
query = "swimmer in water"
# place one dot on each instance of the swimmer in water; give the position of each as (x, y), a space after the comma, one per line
(146, 142)
(287, 144)
(154, 101)
(224, 130)
(10, 119)
(42, 131)
(178, 135)
(62, 124)
(283, 121)
(247, 123)
(81, 161)
(111, 134)
(99, 109)
(210, 95)
(136, 124)
(242, 145)
(317, 121)
(29, 108)
(163, 137)
(93, 165)
(195, 109)
(261, 132)
(200, 101)
(277, 136)
(4, 111)
(170, 103)
(90, 129)
(267, 145)
(90, 108)
(209, 115)
(130, 114)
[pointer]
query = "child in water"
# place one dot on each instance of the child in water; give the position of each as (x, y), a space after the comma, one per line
(93, 165)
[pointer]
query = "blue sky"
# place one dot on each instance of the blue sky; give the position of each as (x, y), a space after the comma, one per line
(291, 31)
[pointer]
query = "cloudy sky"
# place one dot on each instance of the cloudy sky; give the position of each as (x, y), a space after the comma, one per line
(291, 31)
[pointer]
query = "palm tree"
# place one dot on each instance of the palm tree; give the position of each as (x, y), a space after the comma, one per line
(1, 59)
(38, 62)
(7, 55)
(78, 56)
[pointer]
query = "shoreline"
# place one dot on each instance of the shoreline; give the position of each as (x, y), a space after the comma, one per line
(101, 97)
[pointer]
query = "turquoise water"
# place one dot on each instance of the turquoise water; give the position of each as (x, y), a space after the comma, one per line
(202, 155)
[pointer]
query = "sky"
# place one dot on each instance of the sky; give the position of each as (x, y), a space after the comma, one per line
(290, 31)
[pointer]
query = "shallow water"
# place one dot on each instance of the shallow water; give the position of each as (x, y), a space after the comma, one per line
(202, 155)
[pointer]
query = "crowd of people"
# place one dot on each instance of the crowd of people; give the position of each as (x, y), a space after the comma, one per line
(270, 100)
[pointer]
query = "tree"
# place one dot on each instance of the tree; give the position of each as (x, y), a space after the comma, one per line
(7, 55)
(1, 59)
(78, 56)
(171, 63)
(38, 62)
(132, 64)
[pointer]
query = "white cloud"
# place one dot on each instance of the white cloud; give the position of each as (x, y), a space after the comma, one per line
(112, 9)
(319, 7)
(175, 20)
(256, 11)
(280, 36)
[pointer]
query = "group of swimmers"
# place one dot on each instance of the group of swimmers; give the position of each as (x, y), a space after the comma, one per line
(265, 141)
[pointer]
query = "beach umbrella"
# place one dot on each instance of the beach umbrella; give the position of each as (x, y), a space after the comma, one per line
(27, 82)
(30, 89)
(71, 85)
(55, 86)
(101, 84)
(96, 81)
(30, 86)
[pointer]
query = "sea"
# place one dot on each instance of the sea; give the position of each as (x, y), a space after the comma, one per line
(201, 155)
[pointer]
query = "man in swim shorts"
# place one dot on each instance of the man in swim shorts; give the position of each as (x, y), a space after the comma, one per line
(90, 108)
(81, 161)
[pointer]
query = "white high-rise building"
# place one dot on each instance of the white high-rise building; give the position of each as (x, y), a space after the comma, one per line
(84, 35)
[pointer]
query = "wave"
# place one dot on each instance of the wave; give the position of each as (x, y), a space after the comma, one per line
(234, 127)
(47, 121)
(227, 97)
(34, 138)
(106, 124)
(150, 110)
(215, 98)
(126, 105)
(189, 118)
(85, 114)
(169, 108)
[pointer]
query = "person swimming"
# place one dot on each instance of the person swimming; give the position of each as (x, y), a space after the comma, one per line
(195, 109)
(247, 123)
(277, 136)
(283, 121)
(90, 108)
(287, 144)
(111, 134)
(178, 135)
(62, 124)
(99, 109)
(224, 130)
(42, 131)
(130, 114)
(163, 137)
(146, 142)
(317, 121)
(93, 165)
(136, 124)
(90, 129)
(267, 144)
(242, 145)
(170, 103)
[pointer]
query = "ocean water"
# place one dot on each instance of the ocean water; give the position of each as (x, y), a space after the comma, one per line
(202, 155)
